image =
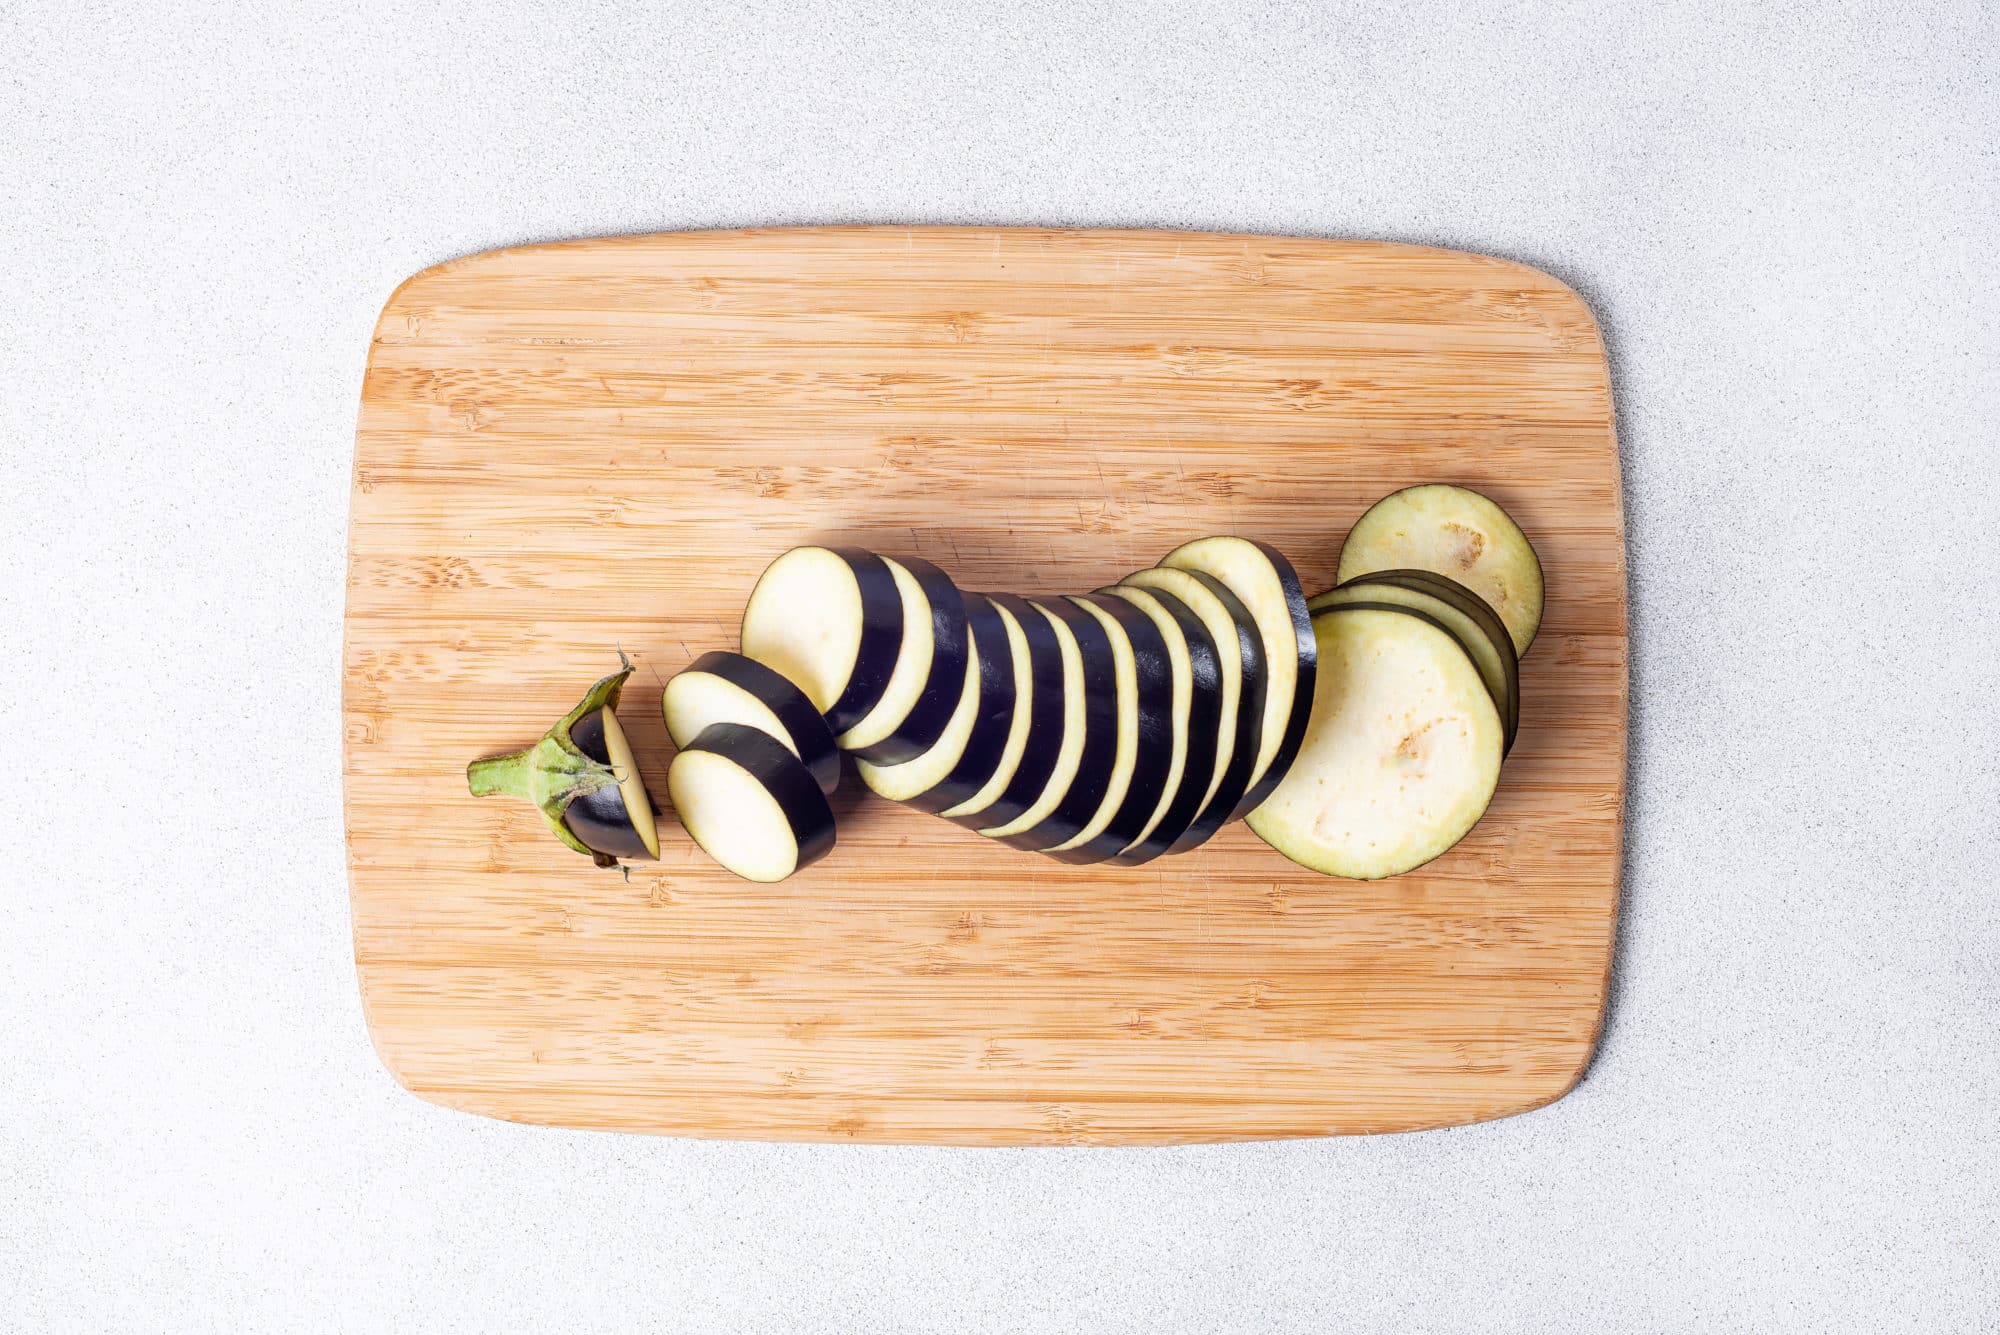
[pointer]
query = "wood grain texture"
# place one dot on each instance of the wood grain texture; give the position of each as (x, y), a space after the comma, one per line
(565, 448)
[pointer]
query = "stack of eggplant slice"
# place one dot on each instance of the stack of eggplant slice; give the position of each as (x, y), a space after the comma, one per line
(1359, 732)
(1420, 687)
(1115, 726)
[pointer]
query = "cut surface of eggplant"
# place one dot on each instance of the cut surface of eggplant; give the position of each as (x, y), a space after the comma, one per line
(618, 819)
(1460, 534)
(722, 687)
(1239, 721)
(1142, 754)
(1402, 755)
(1458, 610)
(929, 676)
(970, 749)
(1034, 732)
(1196, 711)
(1085, 744)
(1260, 576)
(750, 803)
(830, 620)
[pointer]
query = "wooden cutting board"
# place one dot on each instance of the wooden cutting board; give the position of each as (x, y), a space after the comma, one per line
(568, 448)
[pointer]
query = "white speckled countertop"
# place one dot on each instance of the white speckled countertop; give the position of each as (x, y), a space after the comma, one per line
(1783, 216)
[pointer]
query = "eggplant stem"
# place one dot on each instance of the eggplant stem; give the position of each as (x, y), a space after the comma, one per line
(509, 774)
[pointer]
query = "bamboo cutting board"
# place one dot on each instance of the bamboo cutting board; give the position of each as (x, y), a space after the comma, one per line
(568, 448)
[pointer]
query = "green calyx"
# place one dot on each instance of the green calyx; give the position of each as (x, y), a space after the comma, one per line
(553, 772)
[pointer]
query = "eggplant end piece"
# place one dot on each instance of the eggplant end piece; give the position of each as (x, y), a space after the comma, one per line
(559, 771)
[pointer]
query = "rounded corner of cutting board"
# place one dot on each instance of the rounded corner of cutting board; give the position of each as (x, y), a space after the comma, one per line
(1008, 1007)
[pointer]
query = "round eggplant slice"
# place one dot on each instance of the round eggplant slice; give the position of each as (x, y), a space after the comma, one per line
(617, 819)
(1460, 611)
(1402, 755)
(1197, 707)
(975, 739)
(1142, 759)
(1460, 534)
(829, 619)
(929, 675)
(750, 803)
(577, 770)
(1264, 580)
(1086, 742)
(1240, 721)
(1034, 732)
(721, 687)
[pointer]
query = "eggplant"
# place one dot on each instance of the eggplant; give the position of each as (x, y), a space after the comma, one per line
(1083, 748)
(1459, 610)
(1402, 755)
(969, 751)
(929, 674)
(1196, 713)
(1142, 757)
(1460, 534)
(581, 776)
(722, 687)
(1034, 733)
(829, 619)
(1259, 575)
(750, 803)
(1240, 716)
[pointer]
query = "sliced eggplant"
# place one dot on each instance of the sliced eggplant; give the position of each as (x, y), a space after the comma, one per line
(975, 740)
(929, 676)
(1402, 754)
(1035, 731)
(1086, 743)
(1460, 534)
(1460, 611)
(750, 803)
(1197, 708)
(1142, 756)
(829, 619)
(721, 687)
(1260, 576)
(1240, 718)
(582, 778)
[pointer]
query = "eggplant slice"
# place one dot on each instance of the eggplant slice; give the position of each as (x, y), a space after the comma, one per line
(1460, 534)
(721, 687)
(1402, 755)
(1240, 719)
(1460, 611)
(829, 619)
(974, 741)
(1260, 576)
(929, 676)
(1141, 758)
(750, 803)
(1032, 747)
(1083, 747)
(1197, 708)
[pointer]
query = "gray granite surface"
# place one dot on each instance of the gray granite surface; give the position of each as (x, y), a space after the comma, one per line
(1782, 213)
